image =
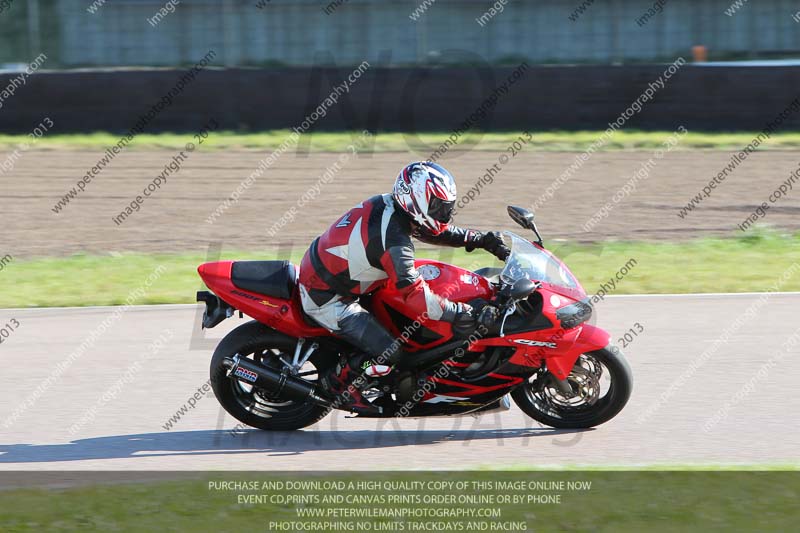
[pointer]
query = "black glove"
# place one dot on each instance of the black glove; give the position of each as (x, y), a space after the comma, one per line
(493, 243)
(465, 322)
(489, 318)
(473, 239)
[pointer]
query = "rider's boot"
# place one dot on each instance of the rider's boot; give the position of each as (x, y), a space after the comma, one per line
(349, 379)
(379, 351)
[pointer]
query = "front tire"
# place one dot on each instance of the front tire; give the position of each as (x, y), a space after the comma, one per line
(251, 406)
(591, 403)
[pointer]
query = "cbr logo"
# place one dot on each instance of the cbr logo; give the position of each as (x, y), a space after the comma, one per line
(535, 343)
(246, 374)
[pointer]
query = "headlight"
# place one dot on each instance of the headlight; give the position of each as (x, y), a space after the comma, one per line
(574, 314)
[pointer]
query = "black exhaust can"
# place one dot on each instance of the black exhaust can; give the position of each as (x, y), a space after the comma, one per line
(280, 385)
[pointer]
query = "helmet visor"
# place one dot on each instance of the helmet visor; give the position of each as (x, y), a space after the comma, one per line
(441, 210)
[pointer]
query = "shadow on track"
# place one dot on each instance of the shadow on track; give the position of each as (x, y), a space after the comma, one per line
(276, 444)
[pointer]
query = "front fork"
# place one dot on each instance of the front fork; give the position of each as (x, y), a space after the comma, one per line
(563, 386)
(545, 376)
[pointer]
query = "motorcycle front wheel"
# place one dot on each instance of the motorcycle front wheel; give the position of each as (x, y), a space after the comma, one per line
(600, 385)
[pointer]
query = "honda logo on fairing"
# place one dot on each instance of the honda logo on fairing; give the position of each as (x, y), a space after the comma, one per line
(535, 343)
(469, 279)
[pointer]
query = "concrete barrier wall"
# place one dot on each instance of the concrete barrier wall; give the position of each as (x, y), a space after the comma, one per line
(308, 32)
(407, 99)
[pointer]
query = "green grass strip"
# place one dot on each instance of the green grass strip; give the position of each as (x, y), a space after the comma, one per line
(326, 141)
(595, 501)
(749, 264)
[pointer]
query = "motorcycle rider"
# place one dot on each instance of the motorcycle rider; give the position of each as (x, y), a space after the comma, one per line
(371, 245)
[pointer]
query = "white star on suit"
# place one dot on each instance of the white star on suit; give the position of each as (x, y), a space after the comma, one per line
(355, 254)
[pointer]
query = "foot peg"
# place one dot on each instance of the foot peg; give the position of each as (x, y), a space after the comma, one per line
(377, 371)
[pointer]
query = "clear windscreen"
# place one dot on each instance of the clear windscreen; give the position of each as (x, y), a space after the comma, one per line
(529, 262)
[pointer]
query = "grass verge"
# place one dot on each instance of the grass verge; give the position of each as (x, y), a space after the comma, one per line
(325, 141)
(748, 264)
(604, 501)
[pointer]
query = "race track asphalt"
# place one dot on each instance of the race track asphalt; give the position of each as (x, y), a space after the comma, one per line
(715, 383)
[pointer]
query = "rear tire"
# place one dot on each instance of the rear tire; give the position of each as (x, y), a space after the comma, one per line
(251, 407)
(540, 402)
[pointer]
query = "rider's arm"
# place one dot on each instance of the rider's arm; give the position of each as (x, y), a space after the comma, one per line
(454, 236)
(398, 262)
(469, 239)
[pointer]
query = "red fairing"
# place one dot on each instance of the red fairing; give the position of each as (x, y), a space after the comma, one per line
(588, 339)
(468, 390)
(557, 347)
(454, 283)
(448, 281)
(283, 315)
(560, 352)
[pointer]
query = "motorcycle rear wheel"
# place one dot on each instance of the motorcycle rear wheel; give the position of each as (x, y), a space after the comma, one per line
(591, 403)
(251, 406)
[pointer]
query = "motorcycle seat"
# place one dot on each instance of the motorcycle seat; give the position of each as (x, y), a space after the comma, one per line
(270, 278)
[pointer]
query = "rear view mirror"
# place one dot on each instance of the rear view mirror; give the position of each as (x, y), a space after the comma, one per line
(521, 216)
(524, 218)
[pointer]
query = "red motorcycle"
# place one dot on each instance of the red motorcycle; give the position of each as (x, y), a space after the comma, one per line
(559, 369)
